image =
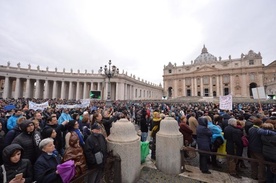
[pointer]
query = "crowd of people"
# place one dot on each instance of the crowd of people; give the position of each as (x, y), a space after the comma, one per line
(36, 144)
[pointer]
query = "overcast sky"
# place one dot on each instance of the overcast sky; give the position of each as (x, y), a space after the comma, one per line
(139, 36)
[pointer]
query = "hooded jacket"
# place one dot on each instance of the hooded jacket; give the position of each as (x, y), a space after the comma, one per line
(23, 166)
(75, 152)
(29, 141)
(204, 134)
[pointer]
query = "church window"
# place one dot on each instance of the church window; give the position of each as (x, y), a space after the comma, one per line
(206, 80)
(226, 79)
(251, 62)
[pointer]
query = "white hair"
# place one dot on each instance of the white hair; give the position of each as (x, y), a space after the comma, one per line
(45, 142)
(232, 121)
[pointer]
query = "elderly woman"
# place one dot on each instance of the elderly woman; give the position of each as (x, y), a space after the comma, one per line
(234, 145)
(14, 164)
(45, 168)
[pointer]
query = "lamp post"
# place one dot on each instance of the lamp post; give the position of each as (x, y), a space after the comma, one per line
(109, 72)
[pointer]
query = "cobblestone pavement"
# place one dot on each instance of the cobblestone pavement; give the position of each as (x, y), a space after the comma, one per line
(150, 174)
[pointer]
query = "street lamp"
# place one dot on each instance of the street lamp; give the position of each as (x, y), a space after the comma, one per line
(109, 72)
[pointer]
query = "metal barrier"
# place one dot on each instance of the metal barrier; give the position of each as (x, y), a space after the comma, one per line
(184, 149)
(81, 179)
(112, 171)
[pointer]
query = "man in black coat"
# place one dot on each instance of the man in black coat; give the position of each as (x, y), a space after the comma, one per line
(29, 139)
(95, 150)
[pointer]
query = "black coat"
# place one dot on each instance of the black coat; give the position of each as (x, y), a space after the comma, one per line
(10, 136)
(233, 137)
(94, 143)
(23, 166)
(269, 147)
(204, 135)
(254, 139)
(45, 169)
(29, 142)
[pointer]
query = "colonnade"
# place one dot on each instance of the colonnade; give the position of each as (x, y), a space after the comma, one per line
(29, 83)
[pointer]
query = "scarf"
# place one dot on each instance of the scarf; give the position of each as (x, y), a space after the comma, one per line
(80, 136)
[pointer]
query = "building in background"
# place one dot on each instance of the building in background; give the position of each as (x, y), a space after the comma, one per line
(17, 82)
(209, 76)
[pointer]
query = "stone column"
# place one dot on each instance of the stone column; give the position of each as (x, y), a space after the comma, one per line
(91, 86)
(78, 91)
(70, 90)
(17, 88)
(6, 92)
(184, 88)
(168, 144)
(231, 87)
(127, 146)
(244, 85)
(195, 82)
(55, 89)
(62, 93)
(175, 89)
(211, 87)
(221, 86)
(192, 87)
(85, 90)
(201, 87)
(46, 90)
(98, 86)
(37, 89)
(28, 88)
(217, 84)
(117, 91)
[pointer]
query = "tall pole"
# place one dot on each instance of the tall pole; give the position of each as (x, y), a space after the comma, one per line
(109, 72)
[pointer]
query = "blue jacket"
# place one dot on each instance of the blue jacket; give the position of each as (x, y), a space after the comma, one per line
(64, 117)
(216, 131)
(12, 122)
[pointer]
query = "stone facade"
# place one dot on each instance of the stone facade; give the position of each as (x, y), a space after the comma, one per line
(17, 82)
(209, 76)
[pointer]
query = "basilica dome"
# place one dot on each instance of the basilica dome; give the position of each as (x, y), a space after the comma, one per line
(205, 57)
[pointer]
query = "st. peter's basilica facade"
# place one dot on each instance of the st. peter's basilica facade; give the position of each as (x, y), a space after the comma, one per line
(209, 76)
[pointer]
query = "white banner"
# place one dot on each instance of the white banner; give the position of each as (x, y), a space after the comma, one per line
(225, 102)
(72, 106)
(258, 93)
(36, 106)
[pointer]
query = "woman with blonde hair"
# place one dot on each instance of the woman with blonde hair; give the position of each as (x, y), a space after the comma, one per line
(155, 128)
(268, 150)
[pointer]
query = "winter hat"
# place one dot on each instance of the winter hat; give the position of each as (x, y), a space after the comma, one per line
(95, 126)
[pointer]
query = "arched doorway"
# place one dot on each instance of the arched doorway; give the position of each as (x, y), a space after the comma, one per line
(170, 92)
(252, 85)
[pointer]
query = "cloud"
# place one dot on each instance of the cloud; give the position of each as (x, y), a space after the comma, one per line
(140, 37)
